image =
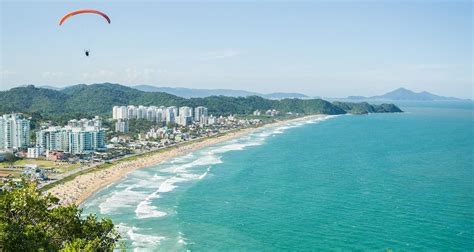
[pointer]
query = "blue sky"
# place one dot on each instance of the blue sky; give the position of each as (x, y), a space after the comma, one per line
(320, 48)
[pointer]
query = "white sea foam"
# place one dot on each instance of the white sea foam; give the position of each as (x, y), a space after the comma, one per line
(205, 174)
(151, 182)
(169, 184)
(121, 199)
(235, 146)
(206, 160)
(140, 242)
(146, 210)
(182, 159)
(229, 147)
(189, 176)
(143, 240)
(278, 131)
(181, 239)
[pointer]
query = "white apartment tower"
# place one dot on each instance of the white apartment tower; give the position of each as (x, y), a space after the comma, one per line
(171, 114)
(121, 126)
(119, 112)
(185, 116)
(75, 140)
(14, 132)
(199, 113)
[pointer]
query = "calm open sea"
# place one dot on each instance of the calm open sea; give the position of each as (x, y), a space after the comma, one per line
(400, 181)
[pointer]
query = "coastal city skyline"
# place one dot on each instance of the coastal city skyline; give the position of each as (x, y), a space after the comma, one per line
(340, 49)
(236, 125)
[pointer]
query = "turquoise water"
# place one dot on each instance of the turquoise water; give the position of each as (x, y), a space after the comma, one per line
(399, 181)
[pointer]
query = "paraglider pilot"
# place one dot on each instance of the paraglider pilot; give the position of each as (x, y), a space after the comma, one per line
(87, 52)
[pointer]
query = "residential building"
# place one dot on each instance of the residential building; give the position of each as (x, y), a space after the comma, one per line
(171, 114)
(160, 114)
(74, 140)
(211, 120)
(14, 132)
(53, 138)
(35, 152)
(199, 112)
(83, 141)
(142, 111)
(185, 116)
(272, 112)
(151, 113)
(121, 126)
(132, 112)
(119, 112)
(95, 122)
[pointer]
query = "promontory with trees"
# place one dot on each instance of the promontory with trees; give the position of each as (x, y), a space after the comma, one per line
(98, 99)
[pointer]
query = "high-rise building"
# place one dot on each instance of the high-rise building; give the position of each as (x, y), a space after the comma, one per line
(95, 122)
(54, 138)
(185, 115)
(115, 112)
(75, 140)
(171, 114)
(119, 112)
(132, 112)
(14, 132)
(121, 126)
(83, 141)
(160, 114)
(200, 112)
(151, 113)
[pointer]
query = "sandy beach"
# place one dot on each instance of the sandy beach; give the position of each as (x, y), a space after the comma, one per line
(83, 186)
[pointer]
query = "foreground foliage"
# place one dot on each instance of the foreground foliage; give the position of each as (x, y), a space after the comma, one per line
(30, 221)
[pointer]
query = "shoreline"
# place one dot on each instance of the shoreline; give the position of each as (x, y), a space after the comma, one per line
(83, 186)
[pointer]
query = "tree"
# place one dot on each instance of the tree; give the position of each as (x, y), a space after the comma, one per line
(30, 221)
(10, 158)
(170, 125)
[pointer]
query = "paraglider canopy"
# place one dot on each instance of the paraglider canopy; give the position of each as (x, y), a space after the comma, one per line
(81, 12)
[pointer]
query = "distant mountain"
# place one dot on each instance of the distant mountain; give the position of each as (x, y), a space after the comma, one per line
(285, 95)
(98, 99)
(201, 93)
(403, 94)
(195, 93)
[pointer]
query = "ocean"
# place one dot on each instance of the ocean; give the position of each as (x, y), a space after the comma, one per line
(371, 182)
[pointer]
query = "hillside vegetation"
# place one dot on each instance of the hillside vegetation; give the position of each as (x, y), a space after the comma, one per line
(98, 99)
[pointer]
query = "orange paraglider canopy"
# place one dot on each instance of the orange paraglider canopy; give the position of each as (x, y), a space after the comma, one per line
(81, 12)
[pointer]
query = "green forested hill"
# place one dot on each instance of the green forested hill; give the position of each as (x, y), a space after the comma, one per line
(98, 99)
